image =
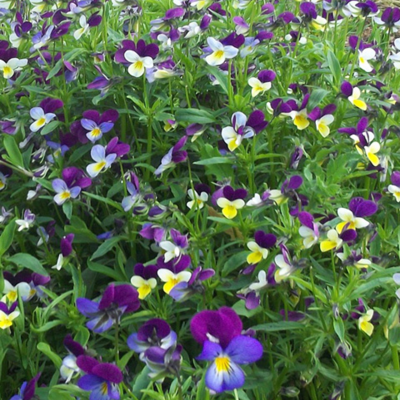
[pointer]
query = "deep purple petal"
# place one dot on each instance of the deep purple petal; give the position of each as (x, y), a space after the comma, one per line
(86, 363)
(108, 372)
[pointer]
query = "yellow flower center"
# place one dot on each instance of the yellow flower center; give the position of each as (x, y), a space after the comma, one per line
(5, 322)
(254, 257)
(362, 60)
(65, 195)
(7, 71)
(219, 54)
(138, 65)
(301, 121)
(144, 290)
(170, 284)
(104, 388)
(12, 296)
(100, 165)
(96, 132)
(222, 364)
(41, 121)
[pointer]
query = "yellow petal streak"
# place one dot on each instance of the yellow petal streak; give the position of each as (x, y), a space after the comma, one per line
(170, 284)
(254, 257)
(229, 212)
(5, 322)
(222, 364)
(144, 291)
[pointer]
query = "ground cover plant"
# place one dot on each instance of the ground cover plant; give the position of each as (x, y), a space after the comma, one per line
(199, 199)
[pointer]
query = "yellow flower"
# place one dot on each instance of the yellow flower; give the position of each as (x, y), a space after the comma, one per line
(172, 279)
(229, 208)
(7, 319)
(144, 286)
(257, 253)
(364, 324)
(333, 242)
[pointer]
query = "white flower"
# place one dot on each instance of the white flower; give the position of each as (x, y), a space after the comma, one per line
(365, 56)
(220, 52)
(395, 190)
(322, 124)
(197, 199)
(83, 29)
(102, 163)
(41, 119)
(258, 87)
(255, 201)
(355, 99)
(262, 281)
(190, 30)
(11, 292)
(350, 220)
(60, 262)
(138, 64)
(172, 279)
(14, 64)
(284, 270)
(309, 236)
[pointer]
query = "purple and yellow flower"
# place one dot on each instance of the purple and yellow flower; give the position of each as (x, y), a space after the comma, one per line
(225, 347)
(138, 57)
(41, 118)
(174, 156)
(175, 248)
(153, 333)
(335, 239)
(353, 217)
(260, 246)
(116, 301)
(101, 379)
(394, 188)
(97, 124)
(353, 95)
(299, 113)
(219, 52)
(309, 230)
(183, 289)
(64, 193)
(323, 118)
(364, 323)
(288, 190)
(17, 285)
(231, 201)
(262, 83)
(198, 196)
(8, 314)
(144, 279)
(102, 161)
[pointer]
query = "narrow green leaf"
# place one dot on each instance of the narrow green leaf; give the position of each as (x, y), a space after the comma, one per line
(28, 261)
(7, 236)
(105, 247)
(45, 349)
(13, 151)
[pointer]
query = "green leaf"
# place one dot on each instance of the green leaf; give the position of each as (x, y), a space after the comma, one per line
(278, 326)
(107, 271)
(334, 66)
(46, 327)
(45, 349)
(50, 127)
(317, 95)
(141, 382)
(125, 359)
(221, 78)
(7, 236)
(28, 261)
(338, 326)
(194, 115)
(67, 209)
(234, 262)
(105, 247)
(110, 202)
(214, 160)
(13, 151)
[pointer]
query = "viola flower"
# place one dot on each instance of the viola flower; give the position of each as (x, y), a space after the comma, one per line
(260, 246)
(390, 18)
(335, 239)
(243, 128)
(353, 95)
(64, 193)
(198, 196)
(364, 56)
(262, 83)
(220, 334)
(41, 118)
(8, 314)
(288, 190)
(102, 379)
(323, 118)
(171, 279)
(299, 113)
(364, 323)
(175, 248)
(311, 17)
(394, 188)
(116, 301)
(163, 361)
(153, 333)
(355, 260)
(200, 4)
(152, 232)
(309, 230)
(144, 279)
(98, 124)
(69, 368)
(94, 20)
(17, 285)
(191, 30)
(183, 290)
(27, 391)
(137, 57)
(174, 156)
(8, 68)
(136, 201)
(242, 27)
(353, 217)
(231, 200)
(219, 52)
(102, 162)
(285, 264)
(27, 222)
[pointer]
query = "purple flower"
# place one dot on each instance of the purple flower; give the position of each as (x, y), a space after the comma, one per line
(183, 290)
(101, 379)
(97, 124)
(163, 361)
(27, 391)
(66, 244)
(64, 193)
(116, 301)
(174, 249)
(219, 326)
(73, 176)
(155, 332)
(152, 232)
(174, 156)
(69, 367)
(225, 373)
